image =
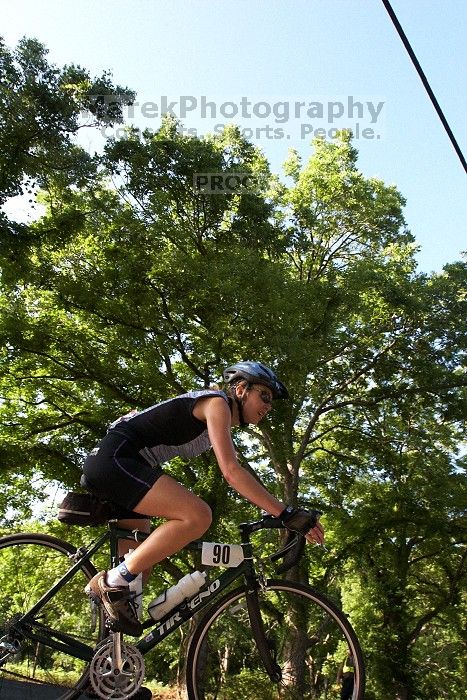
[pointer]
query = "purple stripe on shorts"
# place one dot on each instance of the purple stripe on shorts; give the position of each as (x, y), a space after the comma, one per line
(123, 468)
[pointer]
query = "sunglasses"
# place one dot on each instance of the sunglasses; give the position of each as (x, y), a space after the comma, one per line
(266, 397)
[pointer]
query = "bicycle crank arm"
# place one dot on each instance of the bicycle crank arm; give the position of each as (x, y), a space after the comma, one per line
(117, 669)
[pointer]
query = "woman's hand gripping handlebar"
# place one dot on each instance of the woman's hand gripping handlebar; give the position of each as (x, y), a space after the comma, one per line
(302, 525)
(306, 522)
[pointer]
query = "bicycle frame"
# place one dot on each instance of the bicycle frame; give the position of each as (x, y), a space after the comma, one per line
(172, 620)
(186, 610)
(250, 608)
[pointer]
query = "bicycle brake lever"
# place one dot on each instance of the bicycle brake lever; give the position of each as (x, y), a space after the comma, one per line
(291, 552)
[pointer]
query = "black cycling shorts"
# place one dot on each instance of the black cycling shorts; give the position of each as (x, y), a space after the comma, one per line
(116, 472)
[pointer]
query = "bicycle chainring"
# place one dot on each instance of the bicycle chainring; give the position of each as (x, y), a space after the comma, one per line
(116, 676)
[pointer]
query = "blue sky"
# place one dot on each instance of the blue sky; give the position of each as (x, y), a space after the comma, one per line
(262, 57)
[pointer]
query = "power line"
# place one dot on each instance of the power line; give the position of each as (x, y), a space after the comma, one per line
(425, 82)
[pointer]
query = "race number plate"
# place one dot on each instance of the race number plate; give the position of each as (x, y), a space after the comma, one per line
(219, 554)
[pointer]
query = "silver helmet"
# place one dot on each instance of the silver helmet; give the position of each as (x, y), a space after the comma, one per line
(256, 373)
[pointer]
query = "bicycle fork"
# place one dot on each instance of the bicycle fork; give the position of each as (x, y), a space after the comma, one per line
(264, 646)
(253, 584)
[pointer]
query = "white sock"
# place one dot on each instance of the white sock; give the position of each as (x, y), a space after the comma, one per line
(114, 578)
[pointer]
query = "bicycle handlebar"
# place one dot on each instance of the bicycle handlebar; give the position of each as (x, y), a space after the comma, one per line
(291, 552)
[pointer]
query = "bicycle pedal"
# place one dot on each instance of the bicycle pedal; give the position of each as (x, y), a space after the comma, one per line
(113, 625)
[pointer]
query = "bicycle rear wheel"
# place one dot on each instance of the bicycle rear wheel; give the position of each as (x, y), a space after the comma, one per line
(29, 565)
(309, 637)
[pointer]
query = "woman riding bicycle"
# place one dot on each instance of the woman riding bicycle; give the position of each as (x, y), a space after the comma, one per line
(125, 469)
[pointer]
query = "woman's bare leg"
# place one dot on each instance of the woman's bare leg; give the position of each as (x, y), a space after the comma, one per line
(188, 517)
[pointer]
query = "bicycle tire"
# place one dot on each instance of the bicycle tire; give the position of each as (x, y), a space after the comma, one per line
(38, 670)
(310, 636)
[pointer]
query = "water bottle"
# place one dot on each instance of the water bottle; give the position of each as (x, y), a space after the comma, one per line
(136, 591)
(185, 588)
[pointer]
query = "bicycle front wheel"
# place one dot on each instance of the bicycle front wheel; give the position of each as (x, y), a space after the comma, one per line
(36, 659)
(310, 639)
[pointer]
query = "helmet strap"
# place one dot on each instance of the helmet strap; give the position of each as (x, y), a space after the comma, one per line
(239, 403)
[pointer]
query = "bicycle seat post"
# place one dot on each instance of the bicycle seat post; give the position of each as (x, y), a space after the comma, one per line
(113, 530)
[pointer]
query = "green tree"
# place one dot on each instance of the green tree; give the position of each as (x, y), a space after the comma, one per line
(42, 108)
(383, 414)
(123, 294)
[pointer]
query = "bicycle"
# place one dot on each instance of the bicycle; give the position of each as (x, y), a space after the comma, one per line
(265, 639)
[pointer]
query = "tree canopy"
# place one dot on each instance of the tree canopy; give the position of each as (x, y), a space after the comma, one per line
(132, 286)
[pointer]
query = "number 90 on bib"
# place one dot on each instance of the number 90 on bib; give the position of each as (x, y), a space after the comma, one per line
(219, 554)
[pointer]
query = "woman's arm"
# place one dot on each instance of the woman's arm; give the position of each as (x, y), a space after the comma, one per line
(216, 413)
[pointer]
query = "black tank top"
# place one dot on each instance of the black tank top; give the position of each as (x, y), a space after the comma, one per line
(168, 429)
